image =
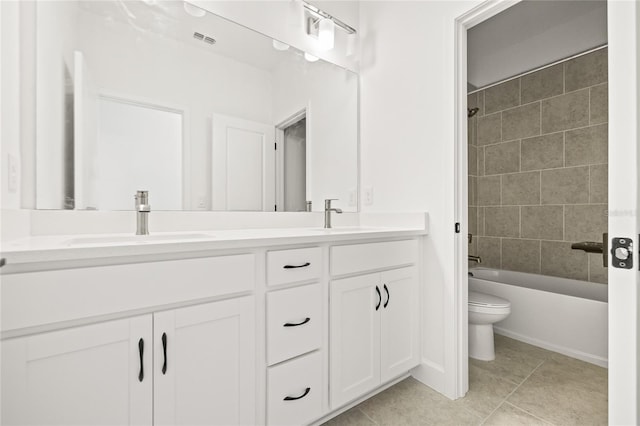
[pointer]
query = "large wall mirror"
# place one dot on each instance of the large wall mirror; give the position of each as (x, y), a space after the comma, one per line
(203, 113)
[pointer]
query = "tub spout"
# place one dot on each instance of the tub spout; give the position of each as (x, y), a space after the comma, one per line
(476, 259)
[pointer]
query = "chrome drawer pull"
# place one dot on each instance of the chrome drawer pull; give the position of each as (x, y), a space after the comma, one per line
(304, 265)
(289, 324)
(293, 398)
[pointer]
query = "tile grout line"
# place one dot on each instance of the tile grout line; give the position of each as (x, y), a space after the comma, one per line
(367, 416)
(512, 392)
(529, 413)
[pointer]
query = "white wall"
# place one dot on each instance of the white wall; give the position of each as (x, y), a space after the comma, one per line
(407, 147)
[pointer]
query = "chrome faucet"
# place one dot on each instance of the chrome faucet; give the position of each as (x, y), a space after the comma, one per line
(143, 208)
(328, 210)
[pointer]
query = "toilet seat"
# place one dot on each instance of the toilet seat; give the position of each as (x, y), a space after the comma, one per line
(483, 300)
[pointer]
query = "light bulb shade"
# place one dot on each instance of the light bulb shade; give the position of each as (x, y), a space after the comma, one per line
(193, 10)
(278, 45)
(310, 58)
(326, 34)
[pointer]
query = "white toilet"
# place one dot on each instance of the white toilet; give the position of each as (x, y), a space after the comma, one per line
(484, 310)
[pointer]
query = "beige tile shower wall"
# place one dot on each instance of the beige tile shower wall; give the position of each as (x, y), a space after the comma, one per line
(538, 170)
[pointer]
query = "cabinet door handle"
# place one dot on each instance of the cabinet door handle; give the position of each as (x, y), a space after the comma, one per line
(304, 265)
(295, 324)
(388, 297)
(164, 352)
(293, 398)
(141, 351)
(379, 298)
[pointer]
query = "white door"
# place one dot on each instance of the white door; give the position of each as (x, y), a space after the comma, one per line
(207, 376)
(624, 297)
(355, 337)
(399, 325)
(87, 375)
(243, 165)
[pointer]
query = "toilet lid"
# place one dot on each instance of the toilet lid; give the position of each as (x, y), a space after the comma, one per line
(482, 299)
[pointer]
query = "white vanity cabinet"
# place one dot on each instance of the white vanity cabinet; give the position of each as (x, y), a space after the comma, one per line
(373, 319)
(188, 366)
(204, 364)
(296, 322)
(87, 375)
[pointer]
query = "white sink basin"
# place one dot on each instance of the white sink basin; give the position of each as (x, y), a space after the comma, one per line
(136, 239)
(344, 230)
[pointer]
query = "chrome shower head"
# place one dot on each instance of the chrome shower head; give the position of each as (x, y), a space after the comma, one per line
(472, 111)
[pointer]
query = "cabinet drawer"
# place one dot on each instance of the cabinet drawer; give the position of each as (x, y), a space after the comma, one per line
(37, 298)
(288, 266)
(294, 391)
(348, 259)
(285, 310)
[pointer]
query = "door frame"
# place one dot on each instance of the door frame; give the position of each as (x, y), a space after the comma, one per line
(624, 200)
(469, 19)
(283, 124)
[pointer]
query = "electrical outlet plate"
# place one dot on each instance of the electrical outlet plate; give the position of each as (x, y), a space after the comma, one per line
(368, 195)
(12, 178)
(353, 197)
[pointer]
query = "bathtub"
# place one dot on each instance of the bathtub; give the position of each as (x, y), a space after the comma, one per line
(559, 314)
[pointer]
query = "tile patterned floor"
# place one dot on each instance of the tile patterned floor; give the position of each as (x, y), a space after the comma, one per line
(525, 385)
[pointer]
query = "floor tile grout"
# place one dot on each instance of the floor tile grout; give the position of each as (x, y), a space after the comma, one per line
(367, 416)
(512, 392)
(529, 413)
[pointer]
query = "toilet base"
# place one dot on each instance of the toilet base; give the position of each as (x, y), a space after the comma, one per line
(481, 345)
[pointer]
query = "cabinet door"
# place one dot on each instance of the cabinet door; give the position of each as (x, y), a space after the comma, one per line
(399, 324)
(80, 376)
(209, 377)
(355, 337)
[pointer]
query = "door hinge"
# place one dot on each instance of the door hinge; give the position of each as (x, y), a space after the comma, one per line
(457, 227)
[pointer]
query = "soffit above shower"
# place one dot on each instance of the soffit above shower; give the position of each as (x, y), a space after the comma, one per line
(531, 34)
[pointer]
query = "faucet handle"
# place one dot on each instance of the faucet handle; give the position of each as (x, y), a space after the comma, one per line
(327, 202)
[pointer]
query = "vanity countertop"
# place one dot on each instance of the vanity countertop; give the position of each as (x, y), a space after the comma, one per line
(21, 253)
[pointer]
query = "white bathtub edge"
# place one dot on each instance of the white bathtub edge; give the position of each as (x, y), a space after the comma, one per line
(592, 359)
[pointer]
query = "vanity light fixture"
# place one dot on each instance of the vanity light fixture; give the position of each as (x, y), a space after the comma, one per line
(320, 14)
(278, 45)
(326, 33)
(310, 57)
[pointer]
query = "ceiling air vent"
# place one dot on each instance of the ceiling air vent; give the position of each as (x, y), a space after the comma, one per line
(202, 37)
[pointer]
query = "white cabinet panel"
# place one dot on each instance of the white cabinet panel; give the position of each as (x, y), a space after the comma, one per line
(355, 258)
(294, 322)
(38, 298)
(210, 364)
(399, 338)
(288, 266)
(80, 376)
(374, 331)
(355, 337)
(294, 391)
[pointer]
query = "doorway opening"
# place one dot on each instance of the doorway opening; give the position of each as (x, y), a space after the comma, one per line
(532, 129)
(291, 151)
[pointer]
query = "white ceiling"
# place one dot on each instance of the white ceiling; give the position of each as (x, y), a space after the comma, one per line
(531, 34)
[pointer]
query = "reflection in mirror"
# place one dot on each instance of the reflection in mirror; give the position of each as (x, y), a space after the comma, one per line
(200, 111)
